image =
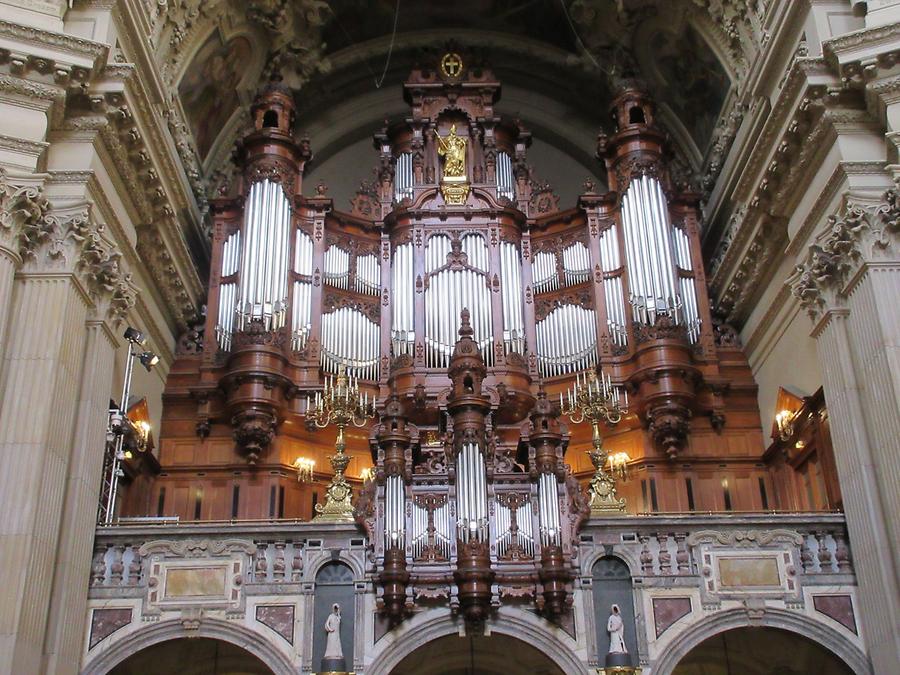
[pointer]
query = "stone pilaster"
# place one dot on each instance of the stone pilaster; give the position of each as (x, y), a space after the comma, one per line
(70, 266)
(848, 283)
(22, 210)
(68, 602)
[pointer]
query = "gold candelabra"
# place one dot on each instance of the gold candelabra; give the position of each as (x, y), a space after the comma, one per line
(598, 401)
(339, 404)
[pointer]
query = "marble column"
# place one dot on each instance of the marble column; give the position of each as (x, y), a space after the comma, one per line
(68, 602)
(69, 268)
(849, 282)
(22, 209)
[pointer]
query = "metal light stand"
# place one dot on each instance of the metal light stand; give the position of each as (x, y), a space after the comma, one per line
(116, 429)
(339, 404)
(597, 401)
(115, 440)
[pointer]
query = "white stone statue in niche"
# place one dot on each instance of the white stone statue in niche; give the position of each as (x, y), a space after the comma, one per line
(616, 629)
(333, 629)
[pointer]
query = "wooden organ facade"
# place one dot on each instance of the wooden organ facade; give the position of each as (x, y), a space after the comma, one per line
(464, 301)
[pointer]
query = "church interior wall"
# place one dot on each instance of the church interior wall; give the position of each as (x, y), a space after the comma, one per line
(122, 144)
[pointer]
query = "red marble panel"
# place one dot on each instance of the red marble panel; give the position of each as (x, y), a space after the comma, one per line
(838, 607)
(667, 611)
(105, 622)
(279, 618)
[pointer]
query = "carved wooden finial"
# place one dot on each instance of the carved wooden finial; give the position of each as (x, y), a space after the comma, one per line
(465, 328)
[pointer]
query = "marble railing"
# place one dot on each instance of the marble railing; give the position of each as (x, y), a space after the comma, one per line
(674, 544)
(658, 545)
(268, 552)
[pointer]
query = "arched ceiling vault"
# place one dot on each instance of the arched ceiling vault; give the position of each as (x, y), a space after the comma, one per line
(558, 62)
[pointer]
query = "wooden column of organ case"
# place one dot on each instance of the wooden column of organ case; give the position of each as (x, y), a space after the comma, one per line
(457, 222)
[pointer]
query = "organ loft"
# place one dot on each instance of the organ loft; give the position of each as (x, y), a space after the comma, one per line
(458, 363)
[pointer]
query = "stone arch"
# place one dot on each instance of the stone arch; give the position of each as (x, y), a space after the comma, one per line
(627, 556)
(236, 634)
(792, 622)
(437, 623)
(312, 567)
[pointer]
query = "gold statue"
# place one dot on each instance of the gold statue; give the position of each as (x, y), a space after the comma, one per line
(453, 149)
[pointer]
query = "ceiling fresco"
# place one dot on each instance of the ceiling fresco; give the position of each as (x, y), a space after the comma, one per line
(208, 88)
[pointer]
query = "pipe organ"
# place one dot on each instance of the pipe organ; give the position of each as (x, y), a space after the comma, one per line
(263, 269)
(463, 300)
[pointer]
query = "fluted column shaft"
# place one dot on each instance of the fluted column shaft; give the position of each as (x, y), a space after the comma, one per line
(42, 370)
(859, 351)
(68, 602)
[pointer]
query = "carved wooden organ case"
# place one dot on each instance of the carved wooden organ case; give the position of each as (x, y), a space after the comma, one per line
(456, 261)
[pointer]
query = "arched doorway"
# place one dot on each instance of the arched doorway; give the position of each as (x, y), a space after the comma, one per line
(493, 655)
(192, 656)
(760, 651)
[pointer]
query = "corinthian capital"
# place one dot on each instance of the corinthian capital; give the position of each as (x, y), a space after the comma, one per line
(23, 209)
(860, 234)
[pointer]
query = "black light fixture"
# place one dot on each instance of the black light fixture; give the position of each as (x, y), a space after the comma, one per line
(148, 360)
(134, 336)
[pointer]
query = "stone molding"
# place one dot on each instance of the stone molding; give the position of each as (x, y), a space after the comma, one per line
(196, 548)
(860, 234)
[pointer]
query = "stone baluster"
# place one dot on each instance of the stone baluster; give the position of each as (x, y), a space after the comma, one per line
(825, 557)
(117, 568)
(665, 558)
(261, 573)
(98, 568)
(278, 565)
(806, 555)
(842, 552)
(134, 567)
(646, 556)
(297, 562)
(682, 557)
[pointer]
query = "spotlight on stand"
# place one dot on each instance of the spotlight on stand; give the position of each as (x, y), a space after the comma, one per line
(134, 336)
(116, 427)
(148, 360)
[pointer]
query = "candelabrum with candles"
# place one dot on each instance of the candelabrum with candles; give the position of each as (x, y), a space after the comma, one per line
(598, 401)
(339, 404)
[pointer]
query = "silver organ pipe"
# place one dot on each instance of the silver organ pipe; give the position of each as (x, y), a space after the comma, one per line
(648, 245)
(337, 267)
(471, 494)
(549, 510)
(267, 231)
(350, 339)
(301, 312)
(576, 264)
(452, 290)
(611, 263)
(566, 340)
(368, 274)
(544, 271)
(419, 535)
(524, 536)
(394, 513)
(231, 252)
(403, 177)
(403, 335)
(506, 181)
(513, 317)
(690, 310)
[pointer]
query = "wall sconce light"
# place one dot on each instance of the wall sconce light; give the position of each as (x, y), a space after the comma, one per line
(305, 467)
(784, 421)
(618, 465)
(367, 474)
